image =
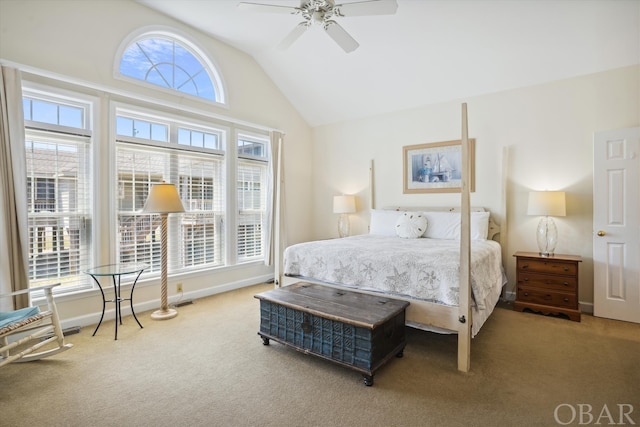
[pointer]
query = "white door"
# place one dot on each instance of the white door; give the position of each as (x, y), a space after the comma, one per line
(616, 224)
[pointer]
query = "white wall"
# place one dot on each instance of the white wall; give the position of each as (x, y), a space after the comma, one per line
(79, 40)
(546, 131)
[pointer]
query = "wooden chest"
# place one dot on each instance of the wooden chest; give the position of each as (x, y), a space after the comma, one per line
(547, 284)
(355, 330)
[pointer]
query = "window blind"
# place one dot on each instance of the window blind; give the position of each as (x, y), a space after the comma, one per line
(196, 237)
(59, 208)
(251, 199)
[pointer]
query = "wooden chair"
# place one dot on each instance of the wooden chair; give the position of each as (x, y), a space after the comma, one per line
(41, 328)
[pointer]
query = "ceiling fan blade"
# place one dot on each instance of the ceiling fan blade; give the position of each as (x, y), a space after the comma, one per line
(340, 36)
(369, 7)
(269, 8)
(293, 35)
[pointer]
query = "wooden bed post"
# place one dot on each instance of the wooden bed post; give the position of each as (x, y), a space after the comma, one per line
(464, 304)
(277, 235)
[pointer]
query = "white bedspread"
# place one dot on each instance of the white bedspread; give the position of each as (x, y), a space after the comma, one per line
(426, 269)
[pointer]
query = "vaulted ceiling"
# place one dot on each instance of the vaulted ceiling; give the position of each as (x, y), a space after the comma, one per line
(429, 51)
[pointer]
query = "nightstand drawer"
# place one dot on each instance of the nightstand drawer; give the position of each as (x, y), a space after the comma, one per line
(556, 299)
(547, 266)
(548, 281)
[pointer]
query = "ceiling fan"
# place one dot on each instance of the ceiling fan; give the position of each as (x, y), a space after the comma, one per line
(323, 12)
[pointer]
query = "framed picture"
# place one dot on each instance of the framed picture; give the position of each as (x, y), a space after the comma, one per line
(436, 167)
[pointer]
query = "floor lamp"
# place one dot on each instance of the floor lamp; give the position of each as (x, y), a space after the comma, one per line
(163, 199)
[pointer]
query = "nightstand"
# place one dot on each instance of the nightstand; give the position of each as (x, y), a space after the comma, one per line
(548, 285)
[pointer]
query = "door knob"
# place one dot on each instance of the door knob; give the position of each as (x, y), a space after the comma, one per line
(601, 233)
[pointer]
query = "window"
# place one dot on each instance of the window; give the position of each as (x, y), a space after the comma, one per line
(58, 147)
(252, 192)
(162, 60)
(197, 168)
(222, 181)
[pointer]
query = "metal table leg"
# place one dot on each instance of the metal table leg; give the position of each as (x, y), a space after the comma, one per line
(131, 299)
(104, 303)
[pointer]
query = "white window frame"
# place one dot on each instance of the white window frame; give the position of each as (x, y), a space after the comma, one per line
(225, 133)
(188, 43)
(63, 134)
(247, 135)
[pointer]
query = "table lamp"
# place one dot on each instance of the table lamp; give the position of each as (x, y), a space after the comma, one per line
(344, 205)
(163, 199)
(547, 204)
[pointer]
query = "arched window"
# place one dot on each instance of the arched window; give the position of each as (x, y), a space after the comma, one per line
(166, 61)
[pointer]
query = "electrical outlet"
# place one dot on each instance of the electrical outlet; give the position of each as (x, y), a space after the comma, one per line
(179, 287)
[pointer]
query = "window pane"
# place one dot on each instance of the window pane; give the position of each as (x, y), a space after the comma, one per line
(202, 239)
(168, 63)
(158, 132)
(141, 129)
(251, 199)
(58, 203)
(211, 141)
(124, 126)
(202, 191)
(251, 148)
(45, 112)
(138, 234)
(198, 233)
(205, 88)
(197, 139)
(184, 137)
(71, 116)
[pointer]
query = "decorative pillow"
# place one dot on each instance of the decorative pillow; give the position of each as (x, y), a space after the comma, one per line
(411, 225)
(446, 225)
(383, 222)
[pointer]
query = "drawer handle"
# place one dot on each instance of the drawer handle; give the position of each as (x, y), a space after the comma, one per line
(566, 283)
(526, 294)
(566, 269)
(526, 279)
(566, 300)
(525, 266)
(547, 297)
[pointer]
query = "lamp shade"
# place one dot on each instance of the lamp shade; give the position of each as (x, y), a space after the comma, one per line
(547, 203)
(344, 204)
(163, 198)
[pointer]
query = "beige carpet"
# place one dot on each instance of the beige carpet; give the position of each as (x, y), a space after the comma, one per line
(208, 367)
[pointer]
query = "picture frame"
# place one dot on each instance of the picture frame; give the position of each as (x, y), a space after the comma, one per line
(436, 167)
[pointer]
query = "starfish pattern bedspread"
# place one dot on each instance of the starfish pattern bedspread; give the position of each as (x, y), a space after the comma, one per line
(425, 269)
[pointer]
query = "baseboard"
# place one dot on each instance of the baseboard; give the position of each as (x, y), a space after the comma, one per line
(586, 307)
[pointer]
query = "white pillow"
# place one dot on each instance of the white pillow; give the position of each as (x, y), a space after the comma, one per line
(383, 222)
(446, 225)
(411, 225)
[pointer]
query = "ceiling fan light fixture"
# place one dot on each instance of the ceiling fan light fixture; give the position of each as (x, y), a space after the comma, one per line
(321, 12)
(318, 17)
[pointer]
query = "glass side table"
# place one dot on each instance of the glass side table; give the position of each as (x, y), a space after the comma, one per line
(116, 271)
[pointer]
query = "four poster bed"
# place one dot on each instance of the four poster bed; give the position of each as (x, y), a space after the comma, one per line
(442, 260)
